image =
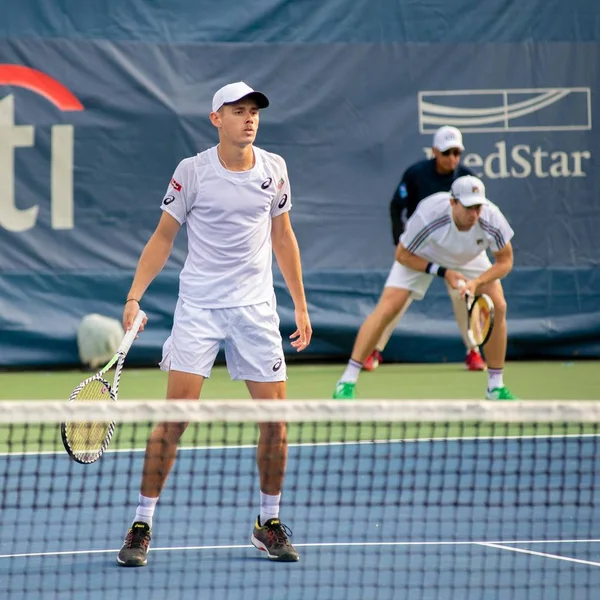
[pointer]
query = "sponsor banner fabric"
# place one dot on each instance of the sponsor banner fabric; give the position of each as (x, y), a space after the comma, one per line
(92, 134)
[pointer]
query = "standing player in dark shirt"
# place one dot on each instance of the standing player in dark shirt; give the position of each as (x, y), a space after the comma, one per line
(421, 180)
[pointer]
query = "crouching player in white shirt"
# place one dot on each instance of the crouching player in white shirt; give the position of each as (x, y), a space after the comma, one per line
(234, 199)
(448, 236)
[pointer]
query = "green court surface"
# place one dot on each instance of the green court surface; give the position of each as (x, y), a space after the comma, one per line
(528, 380)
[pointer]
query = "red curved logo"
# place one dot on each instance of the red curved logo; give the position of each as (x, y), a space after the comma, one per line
(40, 83)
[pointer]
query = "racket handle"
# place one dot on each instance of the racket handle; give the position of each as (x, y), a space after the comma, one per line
(461, 284)
(130, 335)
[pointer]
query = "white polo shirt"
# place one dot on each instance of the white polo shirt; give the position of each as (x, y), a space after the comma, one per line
(228, 216)
(431, 233)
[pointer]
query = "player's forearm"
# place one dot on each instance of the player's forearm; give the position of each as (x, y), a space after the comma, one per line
(410, 260)
(153, 259)
(498, 270)
(287, 254)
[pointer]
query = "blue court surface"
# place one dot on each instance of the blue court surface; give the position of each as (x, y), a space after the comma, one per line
(468, 519)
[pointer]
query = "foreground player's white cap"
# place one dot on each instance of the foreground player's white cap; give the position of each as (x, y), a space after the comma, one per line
(232, 92)
(469, 191)
(447, 137)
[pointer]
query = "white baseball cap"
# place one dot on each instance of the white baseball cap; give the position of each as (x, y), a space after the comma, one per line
(233, 92)
(469, 191)
(447, 137)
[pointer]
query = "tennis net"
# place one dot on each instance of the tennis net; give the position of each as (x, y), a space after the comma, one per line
(386, 499)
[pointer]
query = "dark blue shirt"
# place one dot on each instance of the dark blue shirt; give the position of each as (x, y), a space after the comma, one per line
(419, 181)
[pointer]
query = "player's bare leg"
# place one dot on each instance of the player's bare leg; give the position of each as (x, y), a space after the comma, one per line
(161, 451)
(474, 360)
(271, 452)
(372, 361)
(495, 348)
(161, 448)
(269, 534)
(392, 302)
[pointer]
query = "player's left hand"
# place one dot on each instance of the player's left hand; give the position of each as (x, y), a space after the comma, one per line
(301, 337)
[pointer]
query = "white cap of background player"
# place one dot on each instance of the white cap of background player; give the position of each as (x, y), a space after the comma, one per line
(233, 92)
(469, 191)
(447, 137)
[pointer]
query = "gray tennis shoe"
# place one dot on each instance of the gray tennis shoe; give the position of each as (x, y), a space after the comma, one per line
(272, 538)
(135, 548)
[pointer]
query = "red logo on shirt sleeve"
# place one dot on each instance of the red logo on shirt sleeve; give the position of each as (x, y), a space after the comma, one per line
(175, 185)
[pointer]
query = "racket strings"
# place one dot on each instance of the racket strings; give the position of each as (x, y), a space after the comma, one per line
(87, 439)
(480, 320)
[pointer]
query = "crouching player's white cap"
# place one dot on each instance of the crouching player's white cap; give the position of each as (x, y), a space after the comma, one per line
(232, 92)
(469, 191)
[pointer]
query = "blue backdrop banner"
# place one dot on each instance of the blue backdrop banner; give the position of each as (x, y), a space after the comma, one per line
(94, 122)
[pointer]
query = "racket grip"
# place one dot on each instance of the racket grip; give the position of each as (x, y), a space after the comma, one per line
(461, 284)
(130, 335)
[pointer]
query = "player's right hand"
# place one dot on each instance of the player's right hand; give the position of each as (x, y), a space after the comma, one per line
(132, 308)
(469, 288)
(455, 279)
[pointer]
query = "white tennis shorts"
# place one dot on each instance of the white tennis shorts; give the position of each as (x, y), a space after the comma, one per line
(250, 335)
(418, 282)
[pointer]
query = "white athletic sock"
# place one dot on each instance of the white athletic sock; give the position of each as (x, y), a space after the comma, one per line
(495, 379)
(269, 507)
(145, 510)
(352, 372)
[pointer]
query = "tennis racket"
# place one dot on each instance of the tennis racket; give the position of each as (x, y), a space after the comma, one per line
(86, 442)
(480, 311)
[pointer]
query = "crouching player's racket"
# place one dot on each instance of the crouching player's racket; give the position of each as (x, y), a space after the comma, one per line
(85, 442)
(480, 310)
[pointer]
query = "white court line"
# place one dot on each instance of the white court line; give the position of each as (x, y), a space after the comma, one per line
(491, 544)
(348, 443)
(542, 554)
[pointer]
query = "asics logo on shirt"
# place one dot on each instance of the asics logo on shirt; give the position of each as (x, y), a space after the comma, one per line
(168, 200)
(277, 364)
(283, 200)
(266, 183)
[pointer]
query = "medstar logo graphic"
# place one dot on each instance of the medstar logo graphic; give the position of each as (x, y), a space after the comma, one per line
(22, 136)
(513, 111)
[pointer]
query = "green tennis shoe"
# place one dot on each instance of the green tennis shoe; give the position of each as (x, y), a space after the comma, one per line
(501, 393)
(344, 391)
